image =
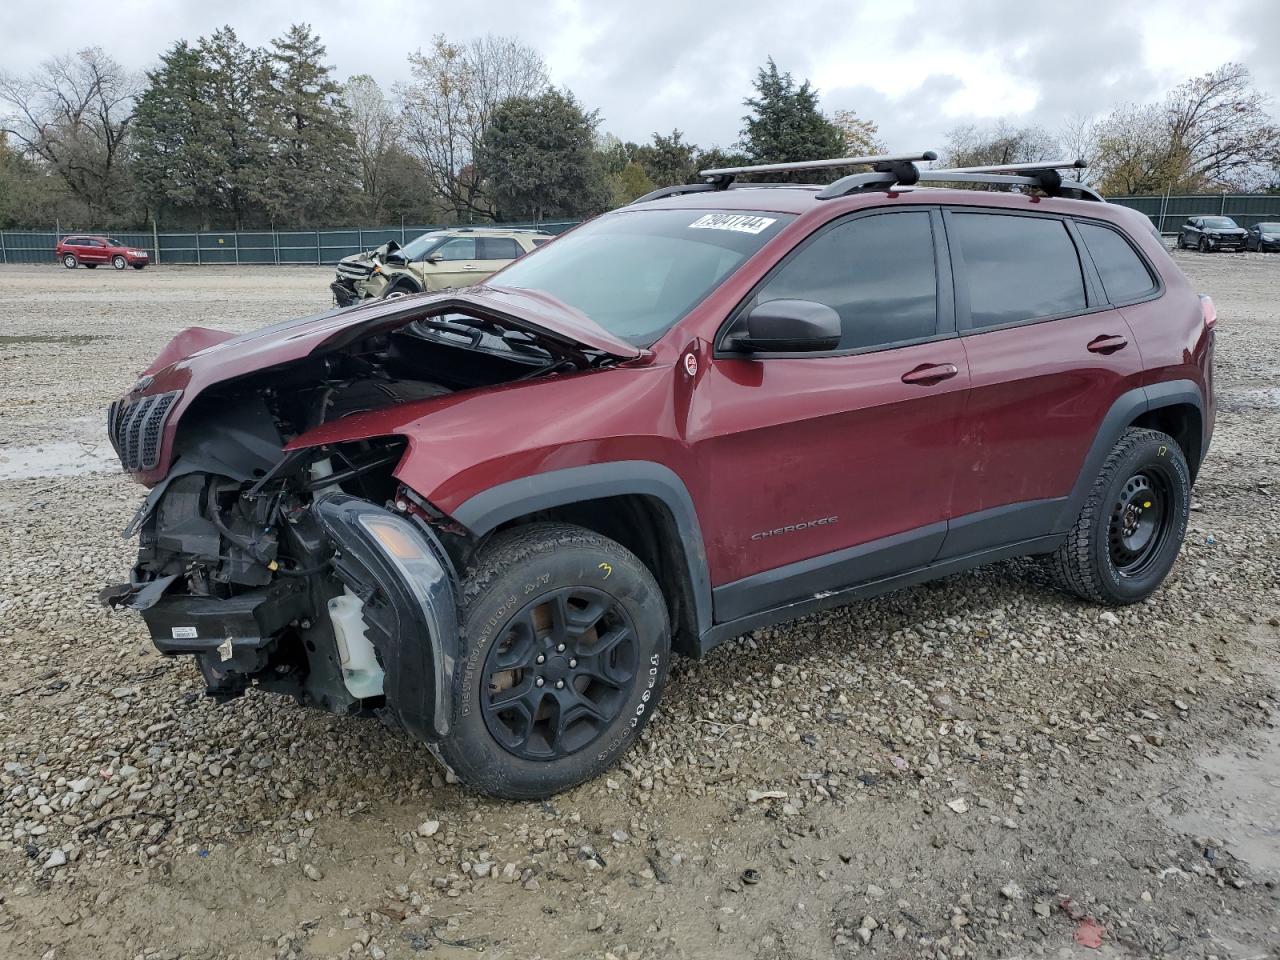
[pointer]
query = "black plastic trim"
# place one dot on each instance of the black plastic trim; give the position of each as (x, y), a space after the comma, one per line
(422, 641)
(829, 572)
(1009, 523)
(1127, 408)
(837, 598)
(556, 488)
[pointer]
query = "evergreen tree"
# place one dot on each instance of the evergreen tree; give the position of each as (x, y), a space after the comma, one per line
(312, 146)
(172, 155)
(785, 124)
(236, 94)
(537, 156)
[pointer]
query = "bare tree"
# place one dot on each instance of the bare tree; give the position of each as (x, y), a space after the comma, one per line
(975, 146)
(1210, 132)
(447, 105)
(861, 137)
(73, 113)
(1223, 128)
(1078, 139)
(376, 126)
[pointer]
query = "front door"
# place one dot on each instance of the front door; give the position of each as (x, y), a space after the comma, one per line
(453, 264)
(834, 469)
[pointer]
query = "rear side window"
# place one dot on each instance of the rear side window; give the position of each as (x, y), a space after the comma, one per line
(496, 248)
(539, 241)
(1124, 276)
(1018, 268)
(877, 272)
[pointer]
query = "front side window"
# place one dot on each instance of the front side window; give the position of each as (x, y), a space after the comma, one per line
(1017, 268)
(877, 272)
(459, 248)
(636, 272)
(1125, 277)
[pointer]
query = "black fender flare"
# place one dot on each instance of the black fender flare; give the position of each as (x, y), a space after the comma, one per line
(1128, 407)
(490, 508)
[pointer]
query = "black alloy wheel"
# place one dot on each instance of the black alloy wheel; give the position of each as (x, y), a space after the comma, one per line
(561, 674)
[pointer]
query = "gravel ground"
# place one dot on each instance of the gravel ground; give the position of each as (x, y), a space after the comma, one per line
(975, 768)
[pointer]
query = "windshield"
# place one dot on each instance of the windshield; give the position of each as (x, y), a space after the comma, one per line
(417, 248)
(1269, 228)
(637, 272)
(1219, 222)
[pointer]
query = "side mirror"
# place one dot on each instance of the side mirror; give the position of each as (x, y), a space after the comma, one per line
(791, 326)
(434, 258)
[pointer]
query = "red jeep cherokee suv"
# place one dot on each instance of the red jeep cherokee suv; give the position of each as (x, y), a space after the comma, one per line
(73, 251)
(490, 516)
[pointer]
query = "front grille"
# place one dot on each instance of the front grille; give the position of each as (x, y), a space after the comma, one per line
(134, 429)
(353, 271)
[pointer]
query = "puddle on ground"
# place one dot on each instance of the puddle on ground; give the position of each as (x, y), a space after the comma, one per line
(62, 458)
(1239, 803)
(65, 340)
(1263, 398)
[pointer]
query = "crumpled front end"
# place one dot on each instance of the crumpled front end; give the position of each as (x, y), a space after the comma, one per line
(343, 604)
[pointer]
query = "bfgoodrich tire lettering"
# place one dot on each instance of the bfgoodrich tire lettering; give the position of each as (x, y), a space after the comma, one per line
(518, 569)
(1132, 524)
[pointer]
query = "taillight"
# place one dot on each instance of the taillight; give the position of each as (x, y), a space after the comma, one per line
(1208, 311)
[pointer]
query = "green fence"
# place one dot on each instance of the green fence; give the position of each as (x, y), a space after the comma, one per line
(1167, 213)
(330, 246)
(237, 247)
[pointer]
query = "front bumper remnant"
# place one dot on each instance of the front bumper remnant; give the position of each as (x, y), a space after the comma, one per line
(402, 576)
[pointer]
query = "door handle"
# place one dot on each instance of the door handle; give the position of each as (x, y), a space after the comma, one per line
(928, 374)
(1107, 343)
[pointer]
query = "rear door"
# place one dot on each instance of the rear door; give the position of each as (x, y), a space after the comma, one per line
(1047, 356)
(836, 468)
(492, 254)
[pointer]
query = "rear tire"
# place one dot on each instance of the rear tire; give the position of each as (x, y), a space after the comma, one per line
(119, 262)
(1132, 525)
(69, 261)
(566, 643)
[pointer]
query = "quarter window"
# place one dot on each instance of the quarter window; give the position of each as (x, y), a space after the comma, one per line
(877, 272)
(1017, 268)
(1124, 276)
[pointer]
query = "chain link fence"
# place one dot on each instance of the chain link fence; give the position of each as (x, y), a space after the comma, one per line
(241, 246)
(329, 246)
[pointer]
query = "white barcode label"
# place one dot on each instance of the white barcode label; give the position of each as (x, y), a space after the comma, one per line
(735, 222)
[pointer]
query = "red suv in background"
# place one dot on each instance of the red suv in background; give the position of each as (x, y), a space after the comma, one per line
(89, 251)
(489, 516)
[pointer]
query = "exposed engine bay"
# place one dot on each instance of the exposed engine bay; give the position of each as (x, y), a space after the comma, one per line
(312, 572)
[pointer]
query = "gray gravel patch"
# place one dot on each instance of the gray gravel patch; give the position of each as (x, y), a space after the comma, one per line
(979, 767)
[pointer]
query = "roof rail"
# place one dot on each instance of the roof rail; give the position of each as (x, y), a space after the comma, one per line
(1042, 175)
(904, 163)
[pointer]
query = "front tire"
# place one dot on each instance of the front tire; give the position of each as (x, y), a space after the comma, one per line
(1131, 528)
(566, 644)
(119, 262)
(1203, 245)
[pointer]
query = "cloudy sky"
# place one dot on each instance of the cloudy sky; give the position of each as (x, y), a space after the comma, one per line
(916, 68)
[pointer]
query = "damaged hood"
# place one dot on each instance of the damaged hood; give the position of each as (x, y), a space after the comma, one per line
(210, 356)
